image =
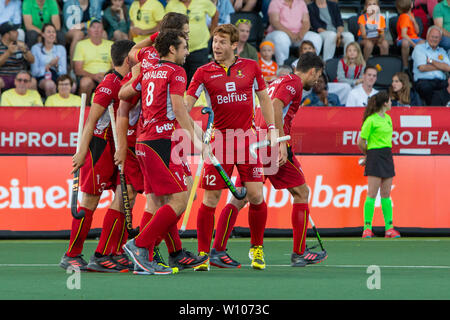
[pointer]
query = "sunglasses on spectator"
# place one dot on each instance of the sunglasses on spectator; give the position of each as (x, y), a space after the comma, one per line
(22, 80)
(246, 21)
(41, 16)
(139, 15)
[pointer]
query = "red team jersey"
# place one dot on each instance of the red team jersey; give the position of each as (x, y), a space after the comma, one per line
(230, 92)
(289, 90)
(105, 93)
(134, 114)
(158, 82)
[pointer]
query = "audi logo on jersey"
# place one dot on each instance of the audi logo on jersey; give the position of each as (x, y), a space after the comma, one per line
(291, 89)
(105, 90)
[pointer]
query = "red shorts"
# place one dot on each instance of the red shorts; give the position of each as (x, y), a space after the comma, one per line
(289, 175)
(132, 170)
(98, 172)
(229, 156)
(163, 174)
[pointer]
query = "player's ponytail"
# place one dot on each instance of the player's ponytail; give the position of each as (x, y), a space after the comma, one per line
(375, 104)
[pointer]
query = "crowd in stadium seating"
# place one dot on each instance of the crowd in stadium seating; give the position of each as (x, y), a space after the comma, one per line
(58, 49)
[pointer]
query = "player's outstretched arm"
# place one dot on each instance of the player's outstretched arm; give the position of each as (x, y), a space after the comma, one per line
(268, 114)
(95, 113)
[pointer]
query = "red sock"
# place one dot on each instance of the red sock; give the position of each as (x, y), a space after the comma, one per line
(257, 217)
(163, 219)
(300, 214)
(146, 217)
(111, 232)
(79, 232)
(172, 238)
(224, 227)
(205, 227)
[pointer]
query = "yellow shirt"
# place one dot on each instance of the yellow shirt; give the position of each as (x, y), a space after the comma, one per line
(96, 58)
(57, 101)
(10, 98)
(198, 9)
(146, 16)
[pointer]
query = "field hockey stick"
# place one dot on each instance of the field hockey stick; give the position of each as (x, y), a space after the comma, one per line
(76, 176)
(317, 233)
(206, 140)
(123, 184)
(264, 143)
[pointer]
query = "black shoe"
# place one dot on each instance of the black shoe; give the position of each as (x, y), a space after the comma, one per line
(124, 261)
(221, 259)
(105, 264)
(314, 257)
(184, 259)
(297, 260)
(76, 262)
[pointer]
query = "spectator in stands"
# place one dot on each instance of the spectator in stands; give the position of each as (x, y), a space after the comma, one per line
(442, 97)
(92, 58)
(64, 97)
(145, 16)
(76, 15)
(266, 63)
(431, 62)
(441, 18)
(245, 49)
(401, 92)
(14, 56)
(225, 9)
(407, 29)
(326, 20)
(360, 94)
(36, 13)
(117, 20)
(372, 26)
(50, 60)
(320, 97)
(289, 26)
(284, 70)
(11, 11)
(21, 95)
(306, 46)
(244, 5)
(200, 33)
(351, 67)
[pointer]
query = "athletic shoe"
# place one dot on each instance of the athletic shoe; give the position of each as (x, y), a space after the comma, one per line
(314, 257)
(123, 260)
(297, 260)
(392, 233)
(367, 233)
(204, 266)
(250, 253)
(105, 264)
(142, 265)
(258, 258)
(185, 259)
(221, 259)
(77, 263)
(158, 257)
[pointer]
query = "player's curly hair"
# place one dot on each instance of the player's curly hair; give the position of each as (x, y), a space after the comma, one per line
(167, 38)
(229, 29)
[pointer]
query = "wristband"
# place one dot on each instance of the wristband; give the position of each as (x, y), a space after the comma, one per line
(271, 126)
(153, 36)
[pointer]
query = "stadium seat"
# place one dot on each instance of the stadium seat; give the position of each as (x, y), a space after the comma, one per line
(351, 4)
(331, 68)
(352, 25)
(389, 66)
(257, 31)
(387, 4)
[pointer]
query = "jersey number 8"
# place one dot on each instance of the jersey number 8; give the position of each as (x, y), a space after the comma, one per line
(150, 89)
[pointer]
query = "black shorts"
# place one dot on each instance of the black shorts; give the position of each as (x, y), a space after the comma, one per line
(380, 163)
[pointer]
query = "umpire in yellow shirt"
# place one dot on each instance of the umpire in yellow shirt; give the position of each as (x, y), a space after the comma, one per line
(21, 95)
(145, 16)
(199, 33)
